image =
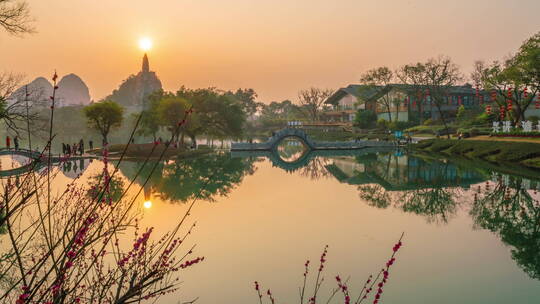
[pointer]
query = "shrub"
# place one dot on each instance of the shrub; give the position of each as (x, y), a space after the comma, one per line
(460, 113)
(399, 125)
(428, 122)
(365, 119)
(382, 123)
(534, 119)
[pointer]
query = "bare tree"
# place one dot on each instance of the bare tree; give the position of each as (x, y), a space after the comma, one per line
(434, 80)
(311, 101)
(15, 17)
(9, 82)
(379, 79)
(441, 75)
(17, 105)
(413, 75)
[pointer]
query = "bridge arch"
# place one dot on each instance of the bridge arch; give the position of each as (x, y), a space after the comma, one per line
(288, 133)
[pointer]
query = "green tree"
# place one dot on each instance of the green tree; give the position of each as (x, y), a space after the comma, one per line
(246, 97)
(215, 114)
(460, 113)
(150, 121)
(515, 75)
(365, 119)
(104, 116)
(171, 111)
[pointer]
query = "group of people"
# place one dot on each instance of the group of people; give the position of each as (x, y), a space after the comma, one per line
(15, 142)
(76, 148)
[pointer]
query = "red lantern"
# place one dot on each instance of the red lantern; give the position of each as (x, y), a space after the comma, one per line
(501, 112)
(537, 103)
(509, 105)
(493, 96)
(477, 92)
(414, 103)
(459, 101)
(509, 93)
(488, 110)
(525, 93)
(481, 99)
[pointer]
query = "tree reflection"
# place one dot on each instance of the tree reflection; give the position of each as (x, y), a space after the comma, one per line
(100, 191)
(438, 205)
(510, 211)
(202, 177)
(412, 184)
(375, 196)
(316, 168)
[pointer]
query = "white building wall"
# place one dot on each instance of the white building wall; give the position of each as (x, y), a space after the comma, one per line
(402, 116)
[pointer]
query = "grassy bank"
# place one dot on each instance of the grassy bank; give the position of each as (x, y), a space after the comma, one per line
(320, 135)
(523, 153)
(141, 151)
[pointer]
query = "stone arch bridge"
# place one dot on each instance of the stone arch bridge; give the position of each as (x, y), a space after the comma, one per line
(291, 166)
(272, 143)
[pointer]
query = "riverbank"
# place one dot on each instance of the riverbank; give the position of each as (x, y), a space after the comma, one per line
(515, 152)
(142, 151)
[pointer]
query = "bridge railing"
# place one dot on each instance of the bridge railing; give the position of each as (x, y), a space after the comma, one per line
(314, 145)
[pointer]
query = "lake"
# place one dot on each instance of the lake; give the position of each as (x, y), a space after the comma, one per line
(472, 229)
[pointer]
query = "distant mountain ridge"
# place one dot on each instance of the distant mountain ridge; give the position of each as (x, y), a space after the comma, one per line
(71, 91)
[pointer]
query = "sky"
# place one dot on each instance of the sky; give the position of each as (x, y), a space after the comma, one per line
(276, 47)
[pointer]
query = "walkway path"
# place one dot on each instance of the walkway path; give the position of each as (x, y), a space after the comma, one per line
(274, 141)
(39, 160)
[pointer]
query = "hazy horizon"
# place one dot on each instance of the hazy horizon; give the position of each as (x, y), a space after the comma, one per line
(275, 47)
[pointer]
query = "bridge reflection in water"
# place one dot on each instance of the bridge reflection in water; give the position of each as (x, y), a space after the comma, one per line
(389, 167)
(32, 161)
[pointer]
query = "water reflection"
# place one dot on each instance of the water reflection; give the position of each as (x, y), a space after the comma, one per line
(203, 178)
(507, 208)
(291, 149)
(437, 189)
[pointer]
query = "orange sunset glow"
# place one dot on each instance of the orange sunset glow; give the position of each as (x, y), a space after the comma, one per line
(275, 47)
(270, 151)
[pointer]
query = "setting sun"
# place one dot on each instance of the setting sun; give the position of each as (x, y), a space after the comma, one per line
(147, 204)
(145, 44)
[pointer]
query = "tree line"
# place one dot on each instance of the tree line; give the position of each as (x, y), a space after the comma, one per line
(212, 113)
(512, 84)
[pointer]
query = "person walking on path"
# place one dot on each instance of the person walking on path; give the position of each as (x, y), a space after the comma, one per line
(81, 146)
(16, 142)
(91, 144)
(68, 149)
(8, 142)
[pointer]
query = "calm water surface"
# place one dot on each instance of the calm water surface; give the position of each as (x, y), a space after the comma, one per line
(472, 230)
